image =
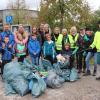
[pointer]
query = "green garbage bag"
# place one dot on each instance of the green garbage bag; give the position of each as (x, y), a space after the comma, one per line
(9, 89)
(37, 86)
(20, 85)
(47, 65)
(73, 75)
(13, 74)
(53, 80)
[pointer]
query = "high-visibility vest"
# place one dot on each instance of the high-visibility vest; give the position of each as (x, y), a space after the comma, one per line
(73, 41)
(96, 42)
(58, 42)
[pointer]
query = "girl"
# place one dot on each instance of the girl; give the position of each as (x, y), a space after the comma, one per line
(20, 49)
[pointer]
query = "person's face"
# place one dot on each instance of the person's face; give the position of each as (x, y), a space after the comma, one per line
(42, 26)
(6, 27)
(73, 32)
(57, 31)
(46, 28)
(64, 33)
(89, 33)
(21, 29)
(82, 31)
(67, 47)
(34, 30)
(6, 39)
(48, 37)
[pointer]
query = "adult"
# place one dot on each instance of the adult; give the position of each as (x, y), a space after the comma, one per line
(57, 37)
(23, 41)
(9, 34)
(65, 38)
(89, 37)
(96, 43)
(72, 39)
(24, 34)
(47, 29)
(81, 45)
(41, 32)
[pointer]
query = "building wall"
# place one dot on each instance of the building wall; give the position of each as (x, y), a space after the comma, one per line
(8, 12)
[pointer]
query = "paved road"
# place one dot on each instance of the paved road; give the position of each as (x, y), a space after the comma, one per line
(87, 88)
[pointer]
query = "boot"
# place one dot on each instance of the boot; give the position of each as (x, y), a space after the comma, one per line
(94, 73)
(87, 73)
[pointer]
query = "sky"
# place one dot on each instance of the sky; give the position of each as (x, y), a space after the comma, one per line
(34, 4)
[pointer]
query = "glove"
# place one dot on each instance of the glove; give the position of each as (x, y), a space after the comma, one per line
(75, 51)
(84, 53)
(86, 38)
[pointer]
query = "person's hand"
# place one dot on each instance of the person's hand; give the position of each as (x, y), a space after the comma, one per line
(3, 46)
(34, 53)
(10, 46)
(84, 53)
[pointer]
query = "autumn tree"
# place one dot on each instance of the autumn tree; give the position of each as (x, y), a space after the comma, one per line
(65, 13)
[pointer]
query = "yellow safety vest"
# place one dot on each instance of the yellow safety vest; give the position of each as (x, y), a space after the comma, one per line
(58, 42)
(73, 41)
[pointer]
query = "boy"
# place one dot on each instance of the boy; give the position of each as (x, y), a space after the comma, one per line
(7, 53)
(34, 49)
(49, 49)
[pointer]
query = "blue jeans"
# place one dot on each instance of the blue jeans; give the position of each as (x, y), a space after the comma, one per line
(87, 60)
(35, 60)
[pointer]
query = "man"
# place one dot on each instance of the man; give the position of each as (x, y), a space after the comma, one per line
(89, 38)
(81, 45)
(96, 43)
(8, 33)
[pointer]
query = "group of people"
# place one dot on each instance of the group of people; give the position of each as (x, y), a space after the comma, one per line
(47, 44)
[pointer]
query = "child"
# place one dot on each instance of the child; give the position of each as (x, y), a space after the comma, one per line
(20, 48)
(67, 54)
(34, 49)
(49, 49)
(7, 53)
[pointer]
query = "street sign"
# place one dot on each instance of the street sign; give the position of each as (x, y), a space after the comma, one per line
(9, 19)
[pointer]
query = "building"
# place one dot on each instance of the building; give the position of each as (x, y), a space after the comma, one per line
(10, 12)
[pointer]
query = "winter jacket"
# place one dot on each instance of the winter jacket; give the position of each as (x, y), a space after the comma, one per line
(7, 52)
(33, 47)
(49, 49)
(81, 42)
(88, 41)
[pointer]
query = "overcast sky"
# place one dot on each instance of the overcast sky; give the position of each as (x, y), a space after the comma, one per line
(34, 4)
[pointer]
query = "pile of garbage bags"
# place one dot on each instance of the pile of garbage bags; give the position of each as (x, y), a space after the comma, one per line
(24, 78)
(18, 78)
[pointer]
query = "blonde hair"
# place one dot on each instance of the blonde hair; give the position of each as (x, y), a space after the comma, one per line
(73, 29)
(64, 30)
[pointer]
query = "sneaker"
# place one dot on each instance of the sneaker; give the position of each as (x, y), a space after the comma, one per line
(97, 78)
(83, 71)
(87, 73)
(94, 73)
(79, 71)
